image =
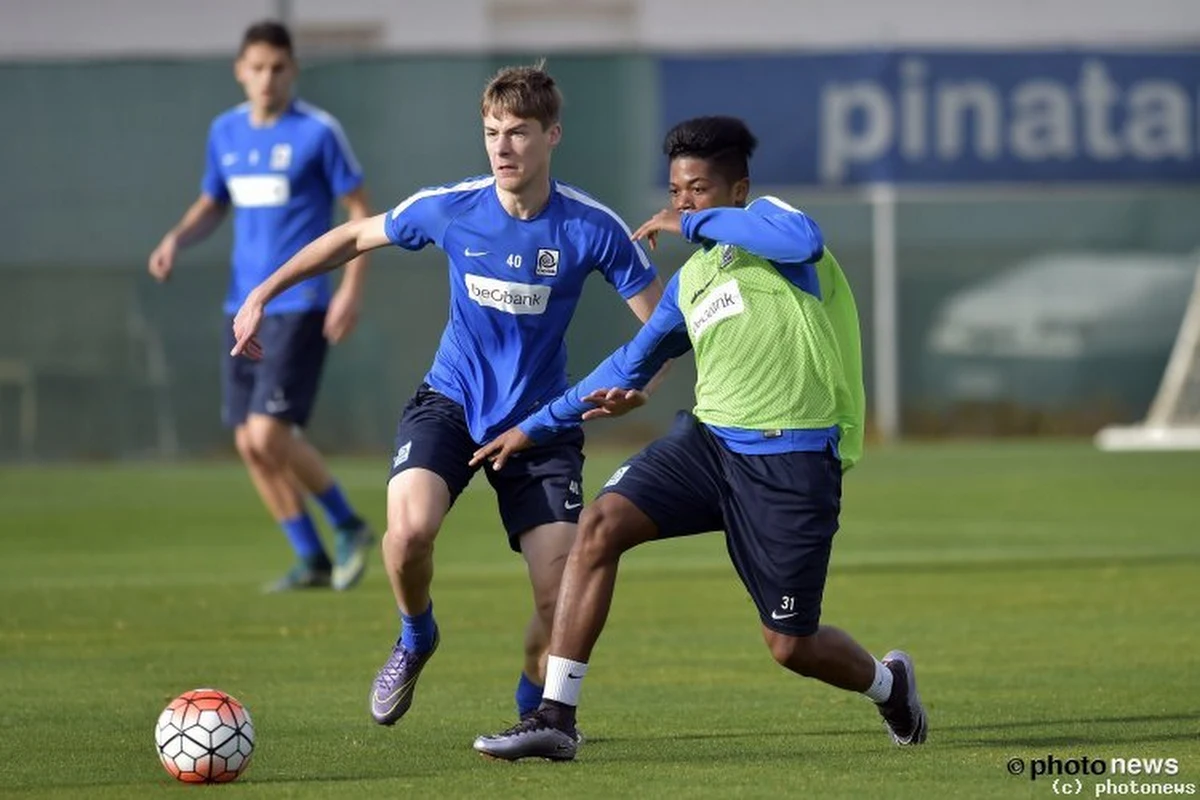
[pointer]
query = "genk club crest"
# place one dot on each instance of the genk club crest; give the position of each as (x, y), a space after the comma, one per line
(547, 262)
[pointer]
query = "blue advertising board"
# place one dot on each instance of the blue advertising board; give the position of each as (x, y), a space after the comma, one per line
(952, 117)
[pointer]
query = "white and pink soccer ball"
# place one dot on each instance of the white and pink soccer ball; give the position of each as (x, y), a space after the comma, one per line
(204, 736)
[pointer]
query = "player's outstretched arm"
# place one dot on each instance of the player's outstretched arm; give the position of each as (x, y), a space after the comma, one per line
(768, 227)
(607, 403)
(611, 389)
(346, 241)
(347, 300)
(198, 222)
(615, 402)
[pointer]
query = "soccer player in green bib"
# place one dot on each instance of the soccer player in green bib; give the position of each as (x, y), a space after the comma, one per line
(778, 418)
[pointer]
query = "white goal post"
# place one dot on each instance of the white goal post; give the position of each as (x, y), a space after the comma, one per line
(1173, 422)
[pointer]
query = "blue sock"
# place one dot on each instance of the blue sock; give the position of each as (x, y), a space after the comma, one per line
(302, 533)
(529, 695)
(337, 508)
(417, 633)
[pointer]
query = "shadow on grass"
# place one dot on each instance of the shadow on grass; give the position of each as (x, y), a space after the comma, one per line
(1077, 741)
(1078, 731)
(954, 733)
(769, 746)
(1009, 563)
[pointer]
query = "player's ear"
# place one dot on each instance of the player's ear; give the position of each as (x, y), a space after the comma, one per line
(555, 134)
(741, 191)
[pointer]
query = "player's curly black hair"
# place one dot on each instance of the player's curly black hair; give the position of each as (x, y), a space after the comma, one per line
(725, 142)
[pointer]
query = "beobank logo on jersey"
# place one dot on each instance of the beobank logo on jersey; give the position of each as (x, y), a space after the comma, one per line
(722, 302)
(511, 298)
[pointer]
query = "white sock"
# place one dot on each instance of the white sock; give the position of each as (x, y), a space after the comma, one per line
(881, 687)
(563, 679)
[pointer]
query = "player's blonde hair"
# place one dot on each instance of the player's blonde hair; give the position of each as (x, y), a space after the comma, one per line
(527, 92)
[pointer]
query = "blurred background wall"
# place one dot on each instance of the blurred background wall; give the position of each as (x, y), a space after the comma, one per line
(1010, 187)
(51, 28)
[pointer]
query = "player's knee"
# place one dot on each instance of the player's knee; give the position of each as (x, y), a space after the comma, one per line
(603, 533)
(797, 653)
(268, 443)
(241, 440)
(408, 540)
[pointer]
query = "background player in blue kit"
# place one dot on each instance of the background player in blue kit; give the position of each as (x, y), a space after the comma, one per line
(520, 246)
(281, 162)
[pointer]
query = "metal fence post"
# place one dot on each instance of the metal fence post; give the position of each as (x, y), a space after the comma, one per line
(886, 406)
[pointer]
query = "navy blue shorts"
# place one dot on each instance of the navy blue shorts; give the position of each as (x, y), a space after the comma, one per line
(779, 513)
(539, 485)
(284, 384)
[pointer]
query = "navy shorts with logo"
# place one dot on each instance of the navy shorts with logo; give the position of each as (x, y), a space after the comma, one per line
(536, 486)
(779, 513)
(284, 383)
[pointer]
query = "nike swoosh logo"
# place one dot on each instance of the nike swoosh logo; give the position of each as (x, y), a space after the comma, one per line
(469, 253)
(574, 677)
(571, 506)
(777, 615)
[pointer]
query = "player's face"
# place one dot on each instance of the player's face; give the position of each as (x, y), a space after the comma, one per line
(695, 184)
(266, 73)
(518, 149)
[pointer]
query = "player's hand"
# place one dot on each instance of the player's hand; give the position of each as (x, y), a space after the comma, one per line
(342, 315)
(499, 449)
(614, 402)
(245, 326)
(162, 260)
(668, 220)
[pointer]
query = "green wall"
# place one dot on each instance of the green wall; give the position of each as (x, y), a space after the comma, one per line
(98, 159)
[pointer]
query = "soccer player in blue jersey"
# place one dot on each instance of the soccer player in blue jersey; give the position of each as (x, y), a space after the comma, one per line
(280, 163)
(779, 416)
(520, 246)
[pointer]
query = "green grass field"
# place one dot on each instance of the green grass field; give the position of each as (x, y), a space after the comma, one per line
(1049, 593)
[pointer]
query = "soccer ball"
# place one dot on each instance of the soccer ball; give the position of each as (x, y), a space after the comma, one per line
(204, 736)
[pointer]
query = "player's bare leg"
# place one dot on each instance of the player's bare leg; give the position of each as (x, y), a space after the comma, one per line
(608, 527)
(267, 472)
(263, 442)
(832, 656)
(308, 465)
(545, 549)
(418, 500)
(354, 538)
(537, 648)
